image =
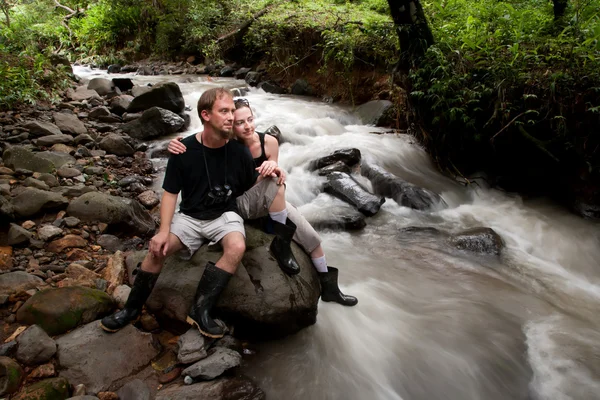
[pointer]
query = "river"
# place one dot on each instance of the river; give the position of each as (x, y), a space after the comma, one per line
(432, 322)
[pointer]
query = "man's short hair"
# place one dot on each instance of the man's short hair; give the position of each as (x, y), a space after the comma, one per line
(208, 98)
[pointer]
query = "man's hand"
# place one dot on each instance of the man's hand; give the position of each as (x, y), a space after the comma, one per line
(159, 244)
(176, 147)
(267, 168)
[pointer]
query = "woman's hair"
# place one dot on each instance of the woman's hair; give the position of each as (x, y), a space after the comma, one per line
(208, 99)
(241, 103)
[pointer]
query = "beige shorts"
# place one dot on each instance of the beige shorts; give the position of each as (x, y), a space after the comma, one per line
(255, 203)
(193, 232)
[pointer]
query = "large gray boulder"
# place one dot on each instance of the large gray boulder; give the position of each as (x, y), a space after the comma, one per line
(18, 281)
(82, 93)
(19, 157)
(118, 212)
(120, 104)
(31, 201)
(102, 86)
(38, 128)
(90, 356)
(57, 158)
(69, 123)
(167, 96)
(35, 346)
(259, 301)
(115, 144)
(237, 388)
(154, 123)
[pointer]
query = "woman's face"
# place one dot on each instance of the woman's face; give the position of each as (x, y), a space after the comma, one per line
(243, 123)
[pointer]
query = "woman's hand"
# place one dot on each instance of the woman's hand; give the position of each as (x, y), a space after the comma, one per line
(176, 147)
(267, 168)
(281, 174)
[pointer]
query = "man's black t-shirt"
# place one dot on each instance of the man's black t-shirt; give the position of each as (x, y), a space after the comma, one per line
(187, 173)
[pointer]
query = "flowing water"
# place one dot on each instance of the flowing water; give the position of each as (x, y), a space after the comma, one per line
(432, 322)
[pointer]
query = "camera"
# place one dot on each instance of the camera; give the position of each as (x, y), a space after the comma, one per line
(218, 195)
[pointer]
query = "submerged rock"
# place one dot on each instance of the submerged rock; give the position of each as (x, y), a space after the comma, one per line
(344, 187)
(350, 157)
(478, 240)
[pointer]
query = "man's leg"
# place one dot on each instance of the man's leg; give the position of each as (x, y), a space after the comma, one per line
(216, 276)
(142, 287)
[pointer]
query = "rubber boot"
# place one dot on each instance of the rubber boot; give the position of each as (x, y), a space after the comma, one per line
(142, 287)
(281, 247)
(330, 290)
(212, 283)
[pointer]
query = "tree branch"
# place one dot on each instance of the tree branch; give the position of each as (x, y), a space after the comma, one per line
(244, 26)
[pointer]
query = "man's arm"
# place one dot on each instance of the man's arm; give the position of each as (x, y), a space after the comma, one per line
(167, 210)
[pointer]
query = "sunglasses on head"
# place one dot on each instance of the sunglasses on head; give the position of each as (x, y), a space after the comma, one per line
(239, 103)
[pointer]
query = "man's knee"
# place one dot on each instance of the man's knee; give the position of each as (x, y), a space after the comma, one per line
(235, 245)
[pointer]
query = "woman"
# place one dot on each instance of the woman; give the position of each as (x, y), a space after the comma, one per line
(265, 151)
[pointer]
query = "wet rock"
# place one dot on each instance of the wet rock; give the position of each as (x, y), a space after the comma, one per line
(337, 166)
(124, 84)
(302, 88)
(220, 360)
(117, 212)
(109, 357)
(49, 232)
(326, 212)
(271, 87)
(102, 86)
(66, 172)
(134, 390)
(68, 241)
(140, 90)
(115, 144)
(47, 141)
(69, 123)
(192, 346)
(478, 240)
(148, 199)
(113, 69)
(241, 73)
(260, 300)
(60, 310)
(404, 193)
(56, 158)
(253, 78)
(376, 112)
(11, 376)
(275, 132)
(19, 281)
(167, 96)
(19, 157)
(119, 104)
(154, 122)
(344, 187)
(35, 346)
(37, 128)
(227, 71)
(240, 387)
(48, 389)
(110, 242)
(350, 157)
(18, 235)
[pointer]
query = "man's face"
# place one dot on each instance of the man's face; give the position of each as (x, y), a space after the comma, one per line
(220, 118)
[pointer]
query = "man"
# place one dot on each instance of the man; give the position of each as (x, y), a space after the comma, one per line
(210, 175)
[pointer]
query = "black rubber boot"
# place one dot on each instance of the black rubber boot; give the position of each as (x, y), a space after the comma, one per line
(142, 287)
(330, 290)
(281, 247)
(212, 283)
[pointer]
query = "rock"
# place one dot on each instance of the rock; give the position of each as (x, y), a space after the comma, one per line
(62, 148)
(220, 360)
(148, 199)
(78, 275)
(18, 235)
(56, 158)
(109, 357)
(102, 86)
(241, 73)
(84, 397)
(337, 166)
(74, 191)
(49, 180)
(114, 273)
(60, 310)
(478, 240)
(34, 183)
(275, 132)
(79, 390)
(48, 232)
(19, 157)
(47, 141)
(119, 104)
(124, 84)
(404, 193)
(326, 212)
(192, 346)
(48, 389)
(271, 87)
(376, 112)
(260, 300)
(140, 90)
(350, 157)
(35, 346)
(226, 71)
(98, 112)
(252, 78)
(110, 242)
(66, 172)
(108, 396)
(302, 88)
(7, 349)
(68, 241)
(43, 371)
(119, 213)
(7, 211)
(155, 122)
(120, 295)
(134, 390)
(37, 128)
(221, 389)
(71, 222)
(167, 96)
(11, 376)
(18, 281)
(344, 187)
(6, 258)
(83, 139)
(69, 123)
(115, 144)
(82, 93)
(113, 69)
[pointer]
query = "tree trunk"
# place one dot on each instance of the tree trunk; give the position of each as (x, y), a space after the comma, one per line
(413, 31)
(559, 8)
(6, 10)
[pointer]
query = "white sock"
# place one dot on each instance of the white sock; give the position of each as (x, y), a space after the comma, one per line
(279, 216)
(320, 264)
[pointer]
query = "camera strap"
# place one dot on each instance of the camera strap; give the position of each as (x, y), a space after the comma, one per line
(206, 164)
